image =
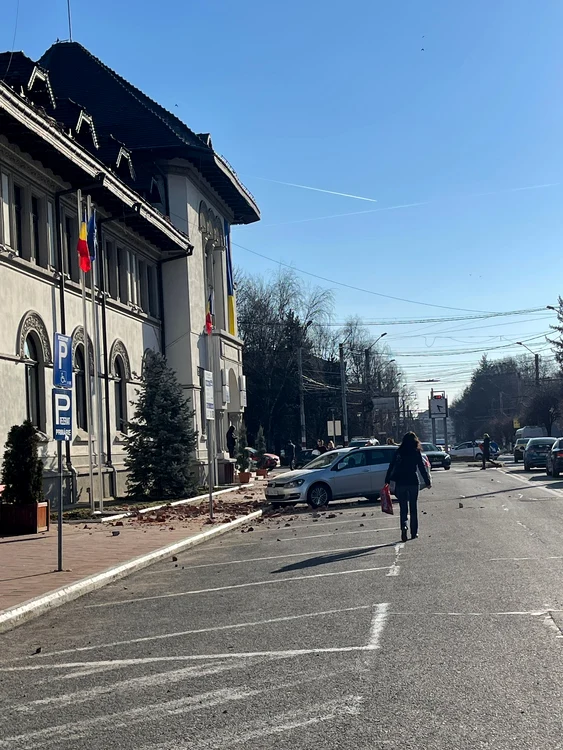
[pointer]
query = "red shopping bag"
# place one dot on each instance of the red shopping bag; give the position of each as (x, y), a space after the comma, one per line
(386, 502)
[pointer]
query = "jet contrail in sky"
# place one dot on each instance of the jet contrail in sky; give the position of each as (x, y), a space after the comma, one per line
(317, 190)
(413, 205)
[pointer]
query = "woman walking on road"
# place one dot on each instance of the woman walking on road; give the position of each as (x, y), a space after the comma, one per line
(403, 471)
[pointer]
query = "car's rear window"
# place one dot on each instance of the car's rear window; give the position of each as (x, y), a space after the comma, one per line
(539, 443)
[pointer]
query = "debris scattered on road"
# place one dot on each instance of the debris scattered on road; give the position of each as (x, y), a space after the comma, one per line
(174, 558)
(38, 650)
(331, 515)
(461, 505)
(115, 533)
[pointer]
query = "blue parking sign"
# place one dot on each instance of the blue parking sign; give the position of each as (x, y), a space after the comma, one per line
(62, 371)
(62, 414)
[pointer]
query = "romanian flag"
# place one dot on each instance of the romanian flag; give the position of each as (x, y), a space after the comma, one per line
(209, 314)
(82, 247)
(231, 311)
(92, 236)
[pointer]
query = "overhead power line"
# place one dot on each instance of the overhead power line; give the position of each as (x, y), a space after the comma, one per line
(357, 288)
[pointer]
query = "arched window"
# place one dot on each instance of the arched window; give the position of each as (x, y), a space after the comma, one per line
(34, 382)
(120, 396)
(80, 389)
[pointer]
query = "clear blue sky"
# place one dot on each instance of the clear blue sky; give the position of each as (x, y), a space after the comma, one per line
(340, 96)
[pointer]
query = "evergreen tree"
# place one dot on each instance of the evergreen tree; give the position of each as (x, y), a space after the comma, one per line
(22, 469)
(243, 461)
(260, 446)
(161, 440)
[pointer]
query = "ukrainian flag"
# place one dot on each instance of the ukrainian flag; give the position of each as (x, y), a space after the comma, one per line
(231, 309)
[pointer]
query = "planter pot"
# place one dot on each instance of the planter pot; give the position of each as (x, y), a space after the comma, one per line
(244, 477)
(24, 519)
(261, 472)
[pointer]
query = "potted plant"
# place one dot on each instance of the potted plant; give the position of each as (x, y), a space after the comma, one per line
(261, 471)
(23, 509)
(243, 462)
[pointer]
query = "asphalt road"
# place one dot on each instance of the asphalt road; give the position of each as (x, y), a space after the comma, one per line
(324, 633)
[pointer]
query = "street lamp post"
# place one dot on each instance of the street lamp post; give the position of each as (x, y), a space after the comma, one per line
(536, 361)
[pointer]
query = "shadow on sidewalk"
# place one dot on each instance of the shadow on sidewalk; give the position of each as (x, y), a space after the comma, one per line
(9, 540)
(331, 558)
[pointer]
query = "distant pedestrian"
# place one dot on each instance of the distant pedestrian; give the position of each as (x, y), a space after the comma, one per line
(330, 445)
(486, 450)
(231, 441)
(321, 447)
(290, 454)
(403, 471)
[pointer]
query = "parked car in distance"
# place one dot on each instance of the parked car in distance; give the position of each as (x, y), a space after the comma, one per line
(554, 463)
(338, 474)
(436, 456)
(303, 458)
(271, 461)
(469, 449)
(536, 452)
(519, 449)
(360, 442)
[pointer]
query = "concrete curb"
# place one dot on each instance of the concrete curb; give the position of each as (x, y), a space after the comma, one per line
(187, 501)
(21, 613)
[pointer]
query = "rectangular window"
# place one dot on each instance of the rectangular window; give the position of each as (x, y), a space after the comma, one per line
(133, 278)
(144, 286)
(35, 242)
(71, 252)
(5, 225)
(122, 275)
(18, 219)
(51, 250)
(111, 271)
(152, 291)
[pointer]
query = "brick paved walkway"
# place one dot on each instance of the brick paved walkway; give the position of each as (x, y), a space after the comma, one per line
(28, 564)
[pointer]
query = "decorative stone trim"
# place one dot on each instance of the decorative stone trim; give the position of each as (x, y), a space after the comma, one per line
(32, 322)
(118, 350)
(77, 339)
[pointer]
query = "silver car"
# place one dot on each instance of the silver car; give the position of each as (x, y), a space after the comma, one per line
(334, 475)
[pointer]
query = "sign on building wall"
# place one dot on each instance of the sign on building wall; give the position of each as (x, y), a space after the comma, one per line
(62, 414)
(62, 370)
(209, 400)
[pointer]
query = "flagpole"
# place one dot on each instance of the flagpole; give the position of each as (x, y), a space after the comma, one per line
(97, 390)
(87, 382)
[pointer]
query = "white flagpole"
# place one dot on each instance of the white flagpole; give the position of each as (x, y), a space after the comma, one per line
(87, 382)
(97, 389)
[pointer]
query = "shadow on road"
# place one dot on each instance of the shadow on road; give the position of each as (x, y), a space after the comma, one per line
(313, 562)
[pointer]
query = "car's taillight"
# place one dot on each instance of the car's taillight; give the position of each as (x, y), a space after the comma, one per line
(560, 454)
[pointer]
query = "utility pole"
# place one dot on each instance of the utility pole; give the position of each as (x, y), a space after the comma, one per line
(343, 388)
(301, 398)
(537, 366)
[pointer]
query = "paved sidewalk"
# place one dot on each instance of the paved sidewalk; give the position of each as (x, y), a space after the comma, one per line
(28, 564)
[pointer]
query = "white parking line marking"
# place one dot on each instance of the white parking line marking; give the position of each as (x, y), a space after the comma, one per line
(531, 486)
(218, 628)
(235, 586)
(523, 613)
(381, 612)
(395, 568)
(313, 536)
(367, 548)
(280, 724)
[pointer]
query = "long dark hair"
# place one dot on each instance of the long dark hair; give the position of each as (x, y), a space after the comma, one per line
(409, 444)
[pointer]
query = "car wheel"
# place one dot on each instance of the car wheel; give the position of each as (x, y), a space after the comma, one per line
(515, 459)
(446, 465)
(319, 495)
(547, 471)
(526, 467)
(554, 472)
(479, 457)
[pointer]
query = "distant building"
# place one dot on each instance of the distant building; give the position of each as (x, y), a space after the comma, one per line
(165, 202)
(424, 426)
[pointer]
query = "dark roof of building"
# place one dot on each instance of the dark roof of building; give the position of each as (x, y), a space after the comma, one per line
(143, 125)
(25, 75)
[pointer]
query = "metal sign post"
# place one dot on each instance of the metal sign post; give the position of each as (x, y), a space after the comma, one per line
(210, 417)
(62, 431)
